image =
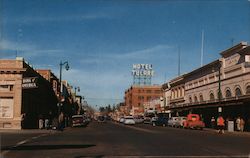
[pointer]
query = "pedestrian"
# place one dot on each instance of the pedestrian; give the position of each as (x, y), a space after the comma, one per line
(238, 124)
(41, 122)
(23, 119)
(46, 123)
(61, 121)
(242, 124)
(213, 123)
(220, 124)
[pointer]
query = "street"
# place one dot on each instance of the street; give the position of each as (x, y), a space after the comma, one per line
(112, 139)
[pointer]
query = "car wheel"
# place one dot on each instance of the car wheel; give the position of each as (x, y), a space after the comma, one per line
(153, 123)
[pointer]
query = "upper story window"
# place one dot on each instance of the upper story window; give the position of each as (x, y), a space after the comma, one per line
(195, 99)
(6, 88)
(238, 92)
(149, 91)
(201, 97)
(211, 96)
(228, 93)
(248, 90)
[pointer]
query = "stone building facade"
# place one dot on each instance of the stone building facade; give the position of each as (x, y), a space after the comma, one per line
(221, 87)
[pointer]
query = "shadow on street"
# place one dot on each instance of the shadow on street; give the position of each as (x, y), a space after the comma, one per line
(48, 147)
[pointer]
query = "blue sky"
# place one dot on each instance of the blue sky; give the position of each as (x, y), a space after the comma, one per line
(102, 39)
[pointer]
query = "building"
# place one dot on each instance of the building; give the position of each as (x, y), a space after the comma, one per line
(25, 96)
(221, 87)
(136, 96)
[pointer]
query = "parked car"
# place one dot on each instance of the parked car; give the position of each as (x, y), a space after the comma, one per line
(160, 121)
(129, 120)
(78, 121)
(180, 121)
(148, 118)
(121, 120)
(194, 121)
(138, 119)
(172, 121)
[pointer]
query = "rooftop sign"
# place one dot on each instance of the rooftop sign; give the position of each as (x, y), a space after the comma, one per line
(142, 70)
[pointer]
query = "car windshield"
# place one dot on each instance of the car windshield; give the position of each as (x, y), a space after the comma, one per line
(124, 78)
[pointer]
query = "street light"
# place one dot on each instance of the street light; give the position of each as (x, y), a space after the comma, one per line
(78, 89)
(60, 80)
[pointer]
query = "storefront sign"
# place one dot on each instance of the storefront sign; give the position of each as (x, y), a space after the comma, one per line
(30, 82)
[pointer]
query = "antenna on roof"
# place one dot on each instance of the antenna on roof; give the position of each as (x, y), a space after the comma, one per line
(179, 61)
(232, 42)
(202, 46)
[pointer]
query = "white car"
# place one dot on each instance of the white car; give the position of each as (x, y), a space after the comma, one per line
(180, 121)
(129, 120)
(121, 120)
(138, 119)
(172, 121)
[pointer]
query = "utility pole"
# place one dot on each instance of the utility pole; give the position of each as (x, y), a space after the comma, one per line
(202, 47)
(179, 60)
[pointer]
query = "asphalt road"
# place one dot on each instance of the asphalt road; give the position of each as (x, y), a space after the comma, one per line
(113, 139)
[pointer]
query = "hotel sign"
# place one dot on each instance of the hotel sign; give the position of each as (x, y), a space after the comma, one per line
(145, 70)
(29, 83)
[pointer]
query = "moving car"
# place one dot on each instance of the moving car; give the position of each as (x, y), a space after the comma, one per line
(129, 120)
(101, 119)
(172, 121)
(194, 121)
(180, 121)
(78, 121)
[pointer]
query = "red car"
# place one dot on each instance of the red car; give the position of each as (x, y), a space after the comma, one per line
(193, 121)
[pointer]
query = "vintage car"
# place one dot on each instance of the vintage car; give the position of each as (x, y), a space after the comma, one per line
(193, 121)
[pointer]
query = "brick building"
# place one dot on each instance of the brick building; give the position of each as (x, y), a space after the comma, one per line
(136, 96)
(24, 95)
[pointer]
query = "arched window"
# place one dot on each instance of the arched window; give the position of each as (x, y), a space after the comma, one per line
(238, 92)
(211, 96)
(248, 90)
(190, 99)
(195, 99)
(228, 93)
(201, 97)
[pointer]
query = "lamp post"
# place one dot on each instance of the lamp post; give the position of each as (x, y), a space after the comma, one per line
(219, 93)
(60, 80)
(78, 90)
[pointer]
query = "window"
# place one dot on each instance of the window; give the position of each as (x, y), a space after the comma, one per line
(248, 90)
(195, 99)
(190, 99)
(238, 92)
(201, 97)
(228, 93)
(211, 96)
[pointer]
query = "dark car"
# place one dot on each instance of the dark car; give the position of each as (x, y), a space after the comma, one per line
(78, 121)
(160, 120)
(101, 119)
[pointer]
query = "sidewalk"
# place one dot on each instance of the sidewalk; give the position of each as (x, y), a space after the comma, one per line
(23, 131)
(245, 133)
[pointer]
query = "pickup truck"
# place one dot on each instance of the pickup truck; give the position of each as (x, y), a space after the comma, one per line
(193, 121)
